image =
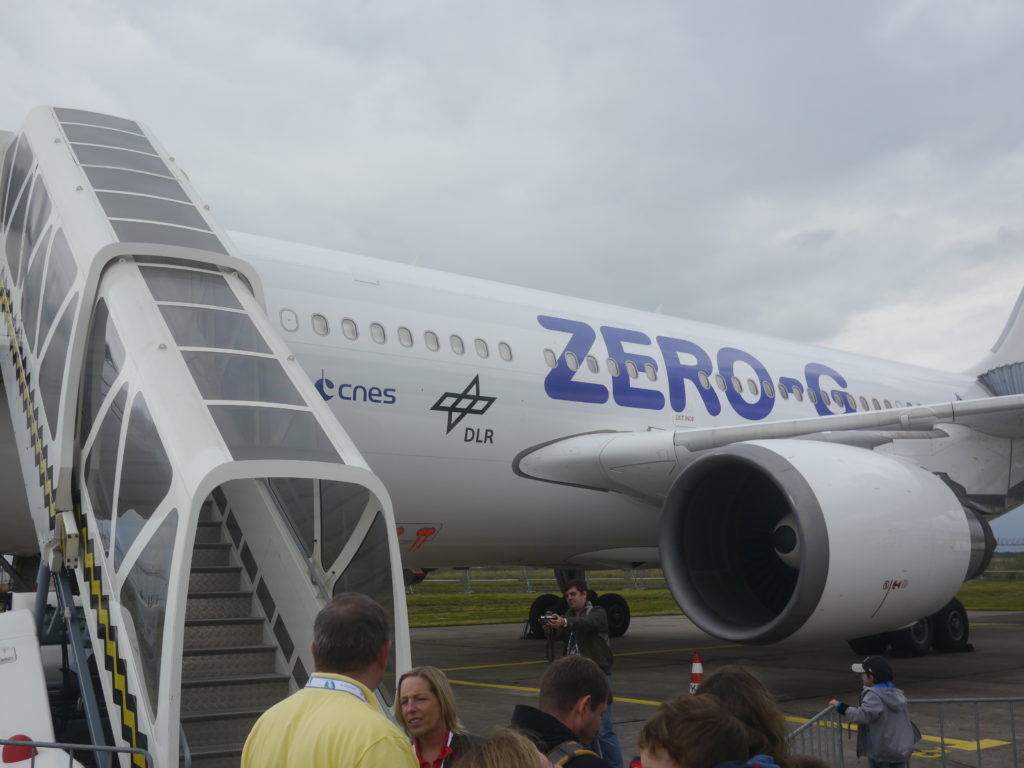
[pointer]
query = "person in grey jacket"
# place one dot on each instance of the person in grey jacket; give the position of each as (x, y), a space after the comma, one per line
(885, 734)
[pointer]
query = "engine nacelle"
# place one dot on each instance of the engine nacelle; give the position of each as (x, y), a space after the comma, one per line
(765, 540)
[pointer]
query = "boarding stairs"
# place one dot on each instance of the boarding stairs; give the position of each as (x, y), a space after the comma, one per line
(179, 467)
(228, 675)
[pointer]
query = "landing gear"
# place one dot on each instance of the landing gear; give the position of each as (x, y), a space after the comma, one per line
(946, 631)
(914, 640)
(618, 613)
(951, 629)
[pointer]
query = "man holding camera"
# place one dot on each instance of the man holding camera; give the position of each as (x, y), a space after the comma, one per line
(584, 629)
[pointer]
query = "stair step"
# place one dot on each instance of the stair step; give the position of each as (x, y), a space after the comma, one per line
(214, 578)
(218, 605)
(219, 729)
(224, 661)
(221, 633)
(211, 553)
(217, 694)
(217, 757)
(209, 531)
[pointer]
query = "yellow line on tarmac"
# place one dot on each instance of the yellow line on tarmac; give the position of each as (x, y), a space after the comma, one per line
(496, 685)
(937, 751)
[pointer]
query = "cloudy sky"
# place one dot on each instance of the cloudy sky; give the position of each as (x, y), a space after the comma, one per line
(847, 174)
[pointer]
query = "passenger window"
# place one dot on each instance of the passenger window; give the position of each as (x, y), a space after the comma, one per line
(720, 381)
(430, 339)
(798, 393)
(737, 385)
(887, 404)
(783, 392)
(550, 359)
(825, 398)
(899, 404)
(481, 348)
(592, 364)
(752, 385)
(651, 371)
(289, 320)
(812, 396)
(320, 327)
(613, 367)
(505, 351)
(377, 333)
(571, 361)
(631, 369)
(457, 346)
(852, 401)
(768, 389)
(874, 404)
(404, 337)
(863, 403)
(703, 379)
(350, 329)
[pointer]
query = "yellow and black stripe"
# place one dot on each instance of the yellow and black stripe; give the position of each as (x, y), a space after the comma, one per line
(98, 601)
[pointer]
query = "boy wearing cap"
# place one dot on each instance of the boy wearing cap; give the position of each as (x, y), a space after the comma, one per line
(885, 734)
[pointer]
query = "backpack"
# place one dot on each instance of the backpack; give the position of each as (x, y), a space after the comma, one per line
(568, 750)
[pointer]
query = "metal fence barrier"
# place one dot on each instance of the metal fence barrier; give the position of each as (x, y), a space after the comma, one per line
(44, 758)
(986, 733)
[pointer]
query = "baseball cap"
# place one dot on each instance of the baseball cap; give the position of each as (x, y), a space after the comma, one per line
(876, 666)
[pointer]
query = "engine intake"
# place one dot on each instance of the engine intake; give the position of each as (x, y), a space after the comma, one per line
(765, 540)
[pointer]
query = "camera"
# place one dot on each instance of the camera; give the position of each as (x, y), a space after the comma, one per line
(547, 617)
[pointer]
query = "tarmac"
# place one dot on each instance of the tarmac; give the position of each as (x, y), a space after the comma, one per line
(492, 670)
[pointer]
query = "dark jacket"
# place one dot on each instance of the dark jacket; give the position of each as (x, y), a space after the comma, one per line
(461, 744)
(589, 631)
(884, 731)
(547, 732)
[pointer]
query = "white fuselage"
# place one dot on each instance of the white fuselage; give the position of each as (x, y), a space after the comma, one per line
(447, 460)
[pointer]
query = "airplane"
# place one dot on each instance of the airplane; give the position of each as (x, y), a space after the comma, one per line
(326, 420)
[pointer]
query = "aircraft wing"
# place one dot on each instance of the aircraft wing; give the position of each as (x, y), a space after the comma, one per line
(644, 464)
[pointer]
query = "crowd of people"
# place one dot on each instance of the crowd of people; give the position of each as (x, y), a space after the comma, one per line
(732, 721)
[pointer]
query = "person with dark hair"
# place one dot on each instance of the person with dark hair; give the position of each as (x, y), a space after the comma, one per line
(749, 700)
(335, 718)
(574, 693)
(425, 708)
(885, 734)
(584, 630)
(696, 732)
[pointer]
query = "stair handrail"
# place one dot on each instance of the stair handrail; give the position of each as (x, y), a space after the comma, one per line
(186, 750)
(314, 577)
(66, 605)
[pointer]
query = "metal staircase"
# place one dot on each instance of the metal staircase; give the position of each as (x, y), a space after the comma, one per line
(177, 461)
(228, 675)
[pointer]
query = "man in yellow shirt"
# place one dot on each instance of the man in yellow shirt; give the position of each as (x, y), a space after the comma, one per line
(335, 719)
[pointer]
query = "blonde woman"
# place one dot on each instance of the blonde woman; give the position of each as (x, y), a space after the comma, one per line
(425, 708)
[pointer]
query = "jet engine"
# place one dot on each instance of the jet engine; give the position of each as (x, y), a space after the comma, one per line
(765, 540)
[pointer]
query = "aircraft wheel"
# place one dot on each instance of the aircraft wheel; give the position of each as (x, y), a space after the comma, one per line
(618, 613)
(914, 640)
(951, 628)
(538, 608)
(869, 645)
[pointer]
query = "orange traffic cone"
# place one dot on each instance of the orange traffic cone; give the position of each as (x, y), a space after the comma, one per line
(696, 673)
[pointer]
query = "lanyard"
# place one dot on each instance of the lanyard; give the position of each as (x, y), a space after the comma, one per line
(330, 684)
